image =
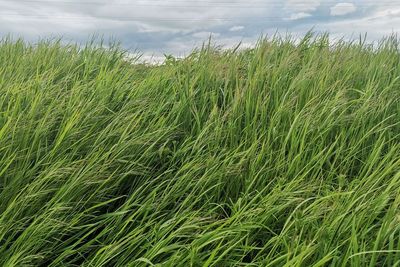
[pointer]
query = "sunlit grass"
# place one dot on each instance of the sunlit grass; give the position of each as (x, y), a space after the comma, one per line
(283, 155)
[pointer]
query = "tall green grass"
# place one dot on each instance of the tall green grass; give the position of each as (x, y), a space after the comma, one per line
(287, 154)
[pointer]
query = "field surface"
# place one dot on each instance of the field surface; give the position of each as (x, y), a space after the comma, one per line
(287, 154)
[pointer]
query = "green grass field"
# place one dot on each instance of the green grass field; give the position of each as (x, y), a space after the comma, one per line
(283, 155)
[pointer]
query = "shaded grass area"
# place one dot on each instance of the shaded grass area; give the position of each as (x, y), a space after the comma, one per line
(283, 155)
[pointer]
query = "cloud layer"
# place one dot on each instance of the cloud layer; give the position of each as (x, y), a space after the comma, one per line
(177, 26)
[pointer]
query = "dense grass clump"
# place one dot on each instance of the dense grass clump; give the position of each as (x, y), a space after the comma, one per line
(283, 155)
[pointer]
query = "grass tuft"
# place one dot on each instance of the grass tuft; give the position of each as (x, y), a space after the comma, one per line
(287, 154)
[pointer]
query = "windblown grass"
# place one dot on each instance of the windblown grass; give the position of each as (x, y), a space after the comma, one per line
(283, 155)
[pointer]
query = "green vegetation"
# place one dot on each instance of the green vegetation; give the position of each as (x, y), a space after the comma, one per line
(283, 155)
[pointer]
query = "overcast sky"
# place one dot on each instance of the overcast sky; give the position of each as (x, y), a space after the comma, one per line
(177, 26)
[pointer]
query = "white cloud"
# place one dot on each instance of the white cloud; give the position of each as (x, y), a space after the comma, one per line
(236, 28)
(341, 9)
(387, 13)
(380, 23)
(298, 6)
(205, 35)
(299, 9)
(300, 15)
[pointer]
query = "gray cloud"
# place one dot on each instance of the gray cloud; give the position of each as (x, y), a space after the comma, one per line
(176, 26)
